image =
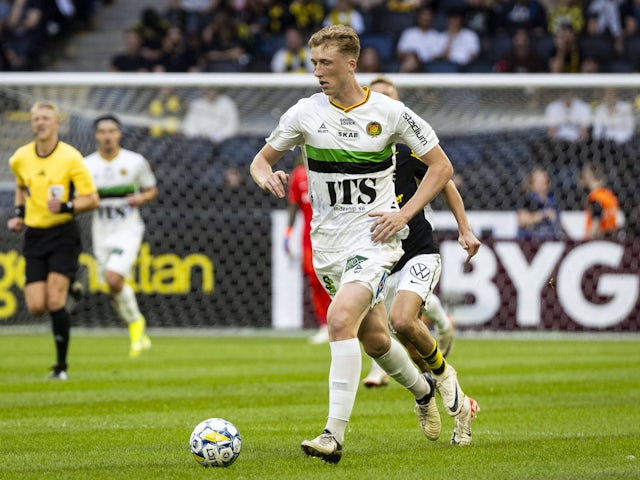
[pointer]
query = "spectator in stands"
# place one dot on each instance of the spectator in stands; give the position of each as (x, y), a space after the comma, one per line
(197, 14)
(630, 18)
(371, 11)
(23, 35)
(294, 56)
(223, 49)
(176, 16)
(565, 56)
(563, 12)
(213, 116)
(343, 13)
(306, 15)
(83, 11)
(597, 43)
(233, 178)
(420, 44)
(538, 214)
(5, 10)
(462, 45)
(601, 208)
(521, 58)
(482, 17)
(408, 5)
(131, 60)
(528, 14)
(165, 109)
(589, 64)
(613, 119)
(606, 16)
(152, 29)
(175, 55)
(369, 61)
(568, 118)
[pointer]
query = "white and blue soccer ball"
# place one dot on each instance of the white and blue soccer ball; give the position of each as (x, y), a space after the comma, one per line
(215, 442)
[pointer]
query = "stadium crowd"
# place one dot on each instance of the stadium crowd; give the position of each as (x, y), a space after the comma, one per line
(29, 29)
(482, 36)
(558, 36)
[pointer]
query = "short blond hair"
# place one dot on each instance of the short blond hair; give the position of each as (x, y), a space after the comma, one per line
(342, 36)
(382, 79)
(46, 104)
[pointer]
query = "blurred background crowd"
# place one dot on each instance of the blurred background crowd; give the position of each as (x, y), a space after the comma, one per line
(475, 36)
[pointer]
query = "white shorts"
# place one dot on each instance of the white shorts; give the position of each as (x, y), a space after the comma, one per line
(117, 251)
(419, 275)
(369, 266)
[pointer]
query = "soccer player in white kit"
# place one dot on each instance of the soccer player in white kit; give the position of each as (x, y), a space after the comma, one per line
(346, 134)
(125, 181)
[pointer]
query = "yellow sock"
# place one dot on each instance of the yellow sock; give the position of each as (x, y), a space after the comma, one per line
(136, 330)
(435, 360)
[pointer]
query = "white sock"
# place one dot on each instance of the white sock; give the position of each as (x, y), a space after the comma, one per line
(126, 304)
(398, 365)
(376, 370)
(436, 313)
(344, 377)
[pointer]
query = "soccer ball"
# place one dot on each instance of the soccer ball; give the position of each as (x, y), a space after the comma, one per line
(215, 442)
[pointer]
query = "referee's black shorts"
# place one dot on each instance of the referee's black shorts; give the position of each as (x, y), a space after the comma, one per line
(56, 249)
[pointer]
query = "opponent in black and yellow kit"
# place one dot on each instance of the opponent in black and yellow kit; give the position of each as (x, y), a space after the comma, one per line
(52, 184)
(409, 288)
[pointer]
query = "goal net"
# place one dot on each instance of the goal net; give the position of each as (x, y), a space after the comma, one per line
(212, 255)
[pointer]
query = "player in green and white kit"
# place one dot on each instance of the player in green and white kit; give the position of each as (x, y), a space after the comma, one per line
(125, 181)
(346, 135)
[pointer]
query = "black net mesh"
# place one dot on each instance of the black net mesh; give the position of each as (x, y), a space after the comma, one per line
(207, 257)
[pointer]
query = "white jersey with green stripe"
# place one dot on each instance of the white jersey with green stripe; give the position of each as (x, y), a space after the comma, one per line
(116, 179)
(349, 159)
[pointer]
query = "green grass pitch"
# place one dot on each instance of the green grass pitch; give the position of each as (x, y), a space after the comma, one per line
(554, 408)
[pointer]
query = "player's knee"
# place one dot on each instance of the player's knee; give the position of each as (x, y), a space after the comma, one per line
(37, 309)
(376, 345)
(336, 320)
(54, 304)
(401, 323)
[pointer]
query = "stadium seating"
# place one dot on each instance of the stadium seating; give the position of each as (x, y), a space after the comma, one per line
(394, 23)
(441, 66)
(382, 43)
(600, 48)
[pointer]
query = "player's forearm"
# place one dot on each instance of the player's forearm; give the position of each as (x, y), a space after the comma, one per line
(18, 197)
(260, 170)
(454, 202)
(148, 195)
(431, 185)
(84, 203)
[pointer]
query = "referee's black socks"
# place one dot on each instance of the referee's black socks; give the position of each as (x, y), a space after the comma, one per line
(61, 322)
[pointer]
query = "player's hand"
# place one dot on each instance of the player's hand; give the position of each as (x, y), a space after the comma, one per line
(15, 224)
(54, 205)
(276, 183)
(134, 200)
(386, 225)
(287, 241)
(470, 243)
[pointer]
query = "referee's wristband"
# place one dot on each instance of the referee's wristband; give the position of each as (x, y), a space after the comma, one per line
(66, 207)
(19, 211)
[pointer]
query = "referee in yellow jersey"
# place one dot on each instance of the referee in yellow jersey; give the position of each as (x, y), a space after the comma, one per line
(52, 184)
